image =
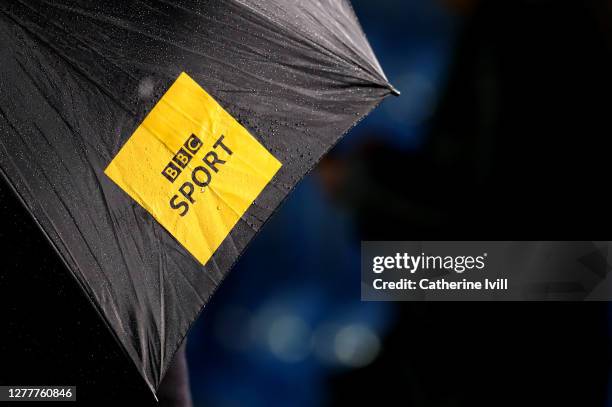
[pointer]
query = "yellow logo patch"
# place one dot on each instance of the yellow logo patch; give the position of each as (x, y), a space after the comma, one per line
(193, 167)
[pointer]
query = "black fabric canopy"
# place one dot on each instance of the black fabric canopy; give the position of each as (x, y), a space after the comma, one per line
(151, 139)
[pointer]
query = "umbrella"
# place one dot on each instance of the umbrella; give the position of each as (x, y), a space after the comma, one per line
(151, 140)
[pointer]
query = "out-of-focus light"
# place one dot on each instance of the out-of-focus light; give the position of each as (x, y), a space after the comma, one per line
(288, 338)
(281, 330)
(356, 345)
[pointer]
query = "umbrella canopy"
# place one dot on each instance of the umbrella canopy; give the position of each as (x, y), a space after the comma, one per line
(151, 140)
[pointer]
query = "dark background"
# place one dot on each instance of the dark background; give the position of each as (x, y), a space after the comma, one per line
(502, 132)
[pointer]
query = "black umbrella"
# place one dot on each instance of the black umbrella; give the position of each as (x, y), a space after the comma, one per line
(151, 140)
